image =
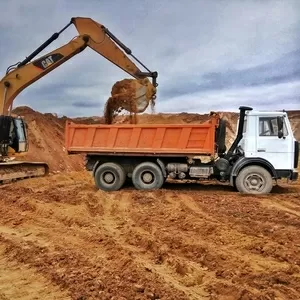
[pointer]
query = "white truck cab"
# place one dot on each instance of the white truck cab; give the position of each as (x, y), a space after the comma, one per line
(262, 138)
(265, 149)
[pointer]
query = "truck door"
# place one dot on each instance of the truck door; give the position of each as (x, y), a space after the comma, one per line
(278, 151)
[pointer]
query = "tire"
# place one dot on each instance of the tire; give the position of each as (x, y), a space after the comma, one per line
(110, 177)
(262, 182)
(147, 176)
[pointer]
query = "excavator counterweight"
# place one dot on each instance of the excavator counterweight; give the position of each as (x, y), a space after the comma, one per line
(133, 95)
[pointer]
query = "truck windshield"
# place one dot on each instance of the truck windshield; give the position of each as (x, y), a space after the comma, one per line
(20, 129)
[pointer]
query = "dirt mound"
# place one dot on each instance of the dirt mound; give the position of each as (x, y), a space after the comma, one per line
(46, 141)
(294, 117)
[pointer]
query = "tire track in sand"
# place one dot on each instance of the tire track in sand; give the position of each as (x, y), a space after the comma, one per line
(116, 208)
(19, 282)
(221, 248)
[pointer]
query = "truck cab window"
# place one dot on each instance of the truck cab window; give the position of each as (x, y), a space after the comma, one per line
(268, 127)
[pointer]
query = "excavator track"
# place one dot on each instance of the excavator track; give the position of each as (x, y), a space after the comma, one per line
(18, 170)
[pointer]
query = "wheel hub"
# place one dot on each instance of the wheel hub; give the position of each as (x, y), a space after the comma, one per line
(254, 182)
(147, 177)
(109, 177)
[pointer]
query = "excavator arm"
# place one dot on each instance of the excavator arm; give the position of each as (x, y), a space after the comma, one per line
(93, 35)
(134, 96)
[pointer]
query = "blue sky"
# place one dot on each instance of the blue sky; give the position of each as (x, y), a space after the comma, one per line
(210, 55)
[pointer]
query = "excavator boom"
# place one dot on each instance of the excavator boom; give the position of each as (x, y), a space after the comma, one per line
(104, 42)
(135, 97)
(21, 77)
(91, 34)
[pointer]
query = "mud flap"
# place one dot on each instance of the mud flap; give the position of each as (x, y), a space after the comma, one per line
(162, 167)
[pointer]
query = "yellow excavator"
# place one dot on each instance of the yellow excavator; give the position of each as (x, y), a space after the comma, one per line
(13, 129)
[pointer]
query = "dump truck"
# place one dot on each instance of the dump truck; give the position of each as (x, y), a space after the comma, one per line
(264, 151)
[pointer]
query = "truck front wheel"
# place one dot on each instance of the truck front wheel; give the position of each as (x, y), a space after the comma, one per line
(254, 180)
(110, 177)
(147, 176)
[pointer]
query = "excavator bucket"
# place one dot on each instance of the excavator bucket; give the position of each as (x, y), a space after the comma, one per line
(132, 95)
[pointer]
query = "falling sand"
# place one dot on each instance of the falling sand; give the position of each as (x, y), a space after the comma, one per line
(131, 95)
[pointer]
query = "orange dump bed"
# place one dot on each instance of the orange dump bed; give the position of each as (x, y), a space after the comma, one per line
(142, 139)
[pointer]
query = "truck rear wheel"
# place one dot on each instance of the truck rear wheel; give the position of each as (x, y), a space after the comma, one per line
(254, 180)
(110, 177)
(147, 176)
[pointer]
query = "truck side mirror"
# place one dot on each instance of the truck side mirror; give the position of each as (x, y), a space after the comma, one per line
(280, 134)
(280, 127)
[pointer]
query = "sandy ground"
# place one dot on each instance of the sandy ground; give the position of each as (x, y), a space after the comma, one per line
(60, 238)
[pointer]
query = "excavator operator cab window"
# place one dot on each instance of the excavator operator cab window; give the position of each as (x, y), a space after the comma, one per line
(13, 135)
(21, 134)
(20, 129)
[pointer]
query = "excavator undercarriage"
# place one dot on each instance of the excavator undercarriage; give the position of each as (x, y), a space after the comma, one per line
(16, 170)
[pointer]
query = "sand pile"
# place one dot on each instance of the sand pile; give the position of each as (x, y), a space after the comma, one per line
(47, 142)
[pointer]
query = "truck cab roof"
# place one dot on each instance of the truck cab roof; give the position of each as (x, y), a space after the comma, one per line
(266, 112)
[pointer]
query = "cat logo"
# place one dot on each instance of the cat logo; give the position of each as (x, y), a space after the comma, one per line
(45, 62)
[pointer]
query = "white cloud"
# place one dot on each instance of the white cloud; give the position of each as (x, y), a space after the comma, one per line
(272, 97)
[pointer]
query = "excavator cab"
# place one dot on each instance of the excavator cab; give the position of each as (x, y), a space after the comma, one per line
(13, 136)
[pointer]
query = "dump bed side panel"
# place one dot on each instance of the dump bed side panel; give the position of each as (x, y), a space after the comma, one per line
(143, 139)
